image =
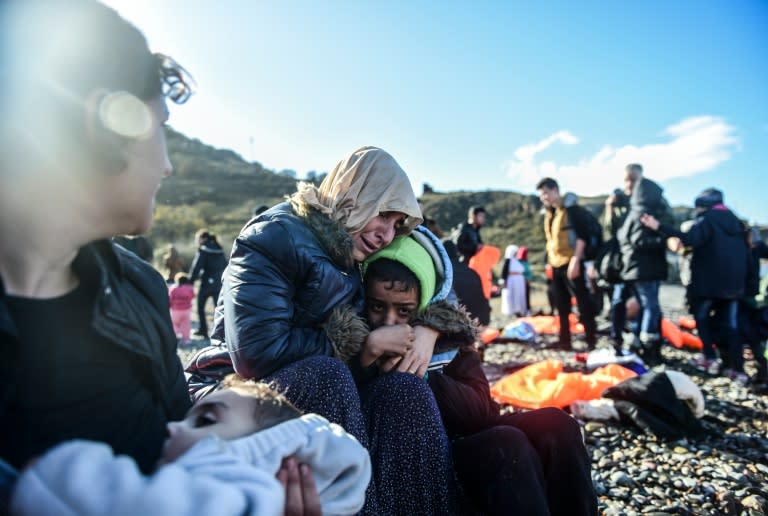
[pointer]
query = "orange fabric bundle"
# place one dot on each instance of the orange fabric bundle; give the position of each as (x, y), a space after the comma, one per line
(692, 341)
(482, 263)
(488, 335)
(672, 333)
(687, 322)
(544, 384)
(550, 324)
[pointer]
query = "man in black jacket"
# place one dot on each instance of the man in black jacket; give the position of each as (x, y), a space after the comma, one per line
(718, 274)
(468, 287)
(644, 256)
(469, 241)
(208, 266)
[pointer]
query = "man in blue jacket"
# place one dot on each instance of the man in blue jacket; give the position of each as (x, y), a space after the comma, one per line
(718, 275)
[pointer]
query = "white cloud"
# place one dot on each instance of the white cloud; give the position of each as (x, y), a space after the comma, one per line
(528, 152)
(696, 144)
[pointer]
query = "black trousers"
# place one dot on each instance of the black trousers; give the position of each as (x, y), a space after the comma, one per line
(562, 290)
(207, 290)
(530, 463)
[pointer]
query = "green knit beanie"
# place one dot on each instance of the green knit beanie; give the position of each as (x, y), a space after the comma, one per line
(410, 253)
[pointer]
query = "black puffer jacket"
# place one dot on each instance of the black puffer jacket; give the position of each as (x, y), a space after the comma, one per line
(468, 241)
(289, 268)
(720, 255)
(208, 265)
(643, 251)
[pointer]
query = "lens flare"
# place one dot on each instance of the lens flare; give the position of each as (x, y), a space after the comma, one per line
(126, 115)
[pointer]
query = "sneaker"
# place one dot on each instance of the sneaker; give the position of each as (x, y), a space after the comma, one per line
(707, 365)
(200, 333)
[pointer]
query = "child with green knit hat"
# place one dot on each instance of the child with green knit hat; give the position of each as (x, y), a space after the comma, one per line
(533, 462)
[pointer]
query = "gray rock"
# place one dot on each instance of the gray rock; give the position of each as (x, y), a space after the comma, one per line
(621, 479)
(754, 502)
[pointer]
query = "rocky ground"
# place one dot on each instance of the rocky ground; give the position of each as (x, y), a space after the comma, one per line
(725, 472)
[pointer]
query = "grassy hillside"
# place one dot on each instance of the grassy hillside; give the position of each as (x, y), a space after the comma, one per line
(218, 189)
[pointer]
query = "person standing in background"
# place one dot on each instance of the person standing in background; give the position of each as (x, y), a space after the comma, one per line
(522, 257)
(180, 296)
(644, 256)
(566, 244)
(208, 266)
(173, 263)
(469, 241)
(513, 300)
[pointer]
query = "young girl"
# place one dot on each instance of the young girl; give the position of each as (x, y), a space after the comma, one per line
(181, 295)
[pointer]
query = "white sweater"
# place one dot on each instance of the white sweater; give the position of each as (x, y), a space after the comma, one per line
(213, 478)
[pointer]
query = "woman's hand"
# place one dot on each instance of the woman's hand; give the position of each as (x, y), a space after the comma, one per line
(390, 341)
(301, 496)
(417, 359)
(649, 221)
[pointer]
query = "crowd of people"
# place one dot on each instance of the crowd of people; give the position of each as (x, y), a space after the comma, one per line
(350, 327)
(720, 262)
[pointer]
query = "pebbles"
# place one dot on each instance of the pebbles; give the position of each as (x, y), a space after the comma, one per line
(725, 472)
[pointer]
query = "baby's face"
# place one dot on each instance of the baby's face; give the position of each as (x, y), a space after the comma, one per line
(228, 413)
(389, 306)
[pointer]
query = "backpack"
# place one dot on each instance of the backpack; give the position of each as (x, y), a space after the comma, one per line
(592, 229)
(608, 262)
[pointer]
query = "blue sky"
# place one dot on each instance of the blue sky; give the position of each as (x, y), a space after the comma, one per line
(484, 94)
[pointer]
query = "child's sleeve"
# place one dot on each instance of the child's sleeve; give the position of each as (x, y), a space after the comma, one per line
(463, 395)
(85, 478)
(340, 465)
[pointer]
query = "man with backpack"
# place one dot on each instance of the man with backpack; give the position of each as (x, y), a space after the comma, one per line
(573, 236)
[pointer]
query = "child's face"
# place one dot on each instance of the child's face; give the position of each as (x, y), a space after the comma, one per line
(387, 306)
(227, 413)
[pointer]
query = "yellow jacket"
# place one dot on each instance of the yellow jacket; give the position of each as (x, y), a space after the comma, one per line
(557, 231)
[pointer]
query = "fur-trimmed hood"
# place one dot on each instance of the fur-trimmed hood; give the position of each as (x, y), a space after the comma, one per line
(334, 238)
(452, 321)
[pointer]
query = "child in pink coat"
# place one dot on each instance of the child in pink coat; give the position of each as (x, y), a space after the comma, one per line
(181, 295)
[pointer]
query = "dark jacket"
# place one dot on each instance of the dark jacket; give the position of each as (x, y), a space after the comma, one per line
(468, 241)
(289, 268)
(468, 287)
(758, 251)
(208, 265)
(720, 259)
(643, 252)
(463, 395)
(131, 311)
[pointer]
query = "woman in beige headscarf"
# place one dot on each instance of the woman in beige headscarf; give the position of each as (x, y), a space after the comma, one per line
(288, 314)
